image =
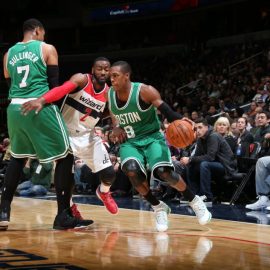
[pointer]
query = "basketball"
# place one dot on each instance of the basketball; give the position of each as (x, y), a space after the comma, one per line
(180, 134)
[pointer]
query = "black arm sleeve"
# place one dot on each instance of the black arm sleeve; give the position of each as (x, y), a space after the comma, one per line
(171, 115)
(53, 75)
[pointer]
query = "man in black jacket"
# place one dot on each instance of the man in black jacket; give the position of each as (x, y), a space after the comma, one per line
(213, 158)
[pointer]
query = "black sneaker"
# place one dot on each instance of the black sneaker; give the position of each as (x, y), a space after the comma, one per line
(66, 220)
(4, 218)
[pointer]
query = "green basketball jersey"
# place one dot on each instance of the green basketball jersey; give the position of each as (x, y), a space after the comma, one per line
(27, 70)
(137, 122)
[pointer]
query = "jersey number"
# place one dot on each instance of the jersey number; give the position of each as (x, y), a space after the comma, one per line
(130, 131)
(20, 70)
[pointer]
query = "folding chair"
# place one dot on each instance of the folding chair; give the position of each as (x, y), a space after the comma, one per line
(250, 161)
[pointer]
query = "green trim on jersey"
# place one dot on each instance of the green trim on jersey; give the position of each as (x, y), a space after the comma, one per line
(27, 70)
(132, 118)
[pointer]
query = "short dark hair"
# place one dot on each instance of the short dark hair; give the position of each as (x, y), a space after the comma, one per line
(101, 58)
(267, 114)
(246, 121)
(202, 120)
(125, 67)
(31, 24)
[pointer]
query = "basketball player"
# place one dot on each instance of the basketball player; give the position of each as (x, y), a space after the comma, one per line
(82, 110)
(134, 112)
(30, 66)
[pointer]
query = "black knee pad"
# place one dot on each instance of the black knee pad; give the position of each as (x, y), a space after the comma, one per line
(107, 176)
(133, 171)
(167, 174)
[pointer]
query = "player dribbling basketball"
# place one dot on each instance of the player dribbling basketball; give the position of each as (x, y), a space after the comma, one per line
(134, 112)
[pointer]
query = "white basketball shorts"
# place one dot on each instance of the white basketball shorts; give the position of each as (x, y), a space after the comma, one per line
(91, 150)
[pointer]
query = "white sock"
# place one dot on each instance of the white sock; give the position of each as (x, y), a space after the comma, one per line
(104, 188)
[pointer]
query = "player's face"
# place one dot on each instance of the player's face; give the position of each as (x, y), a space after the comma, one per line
(118, 78)
(101, 71)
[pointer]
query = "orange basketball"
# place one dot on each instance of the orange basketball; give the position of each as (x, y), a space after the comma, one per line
(180, 133)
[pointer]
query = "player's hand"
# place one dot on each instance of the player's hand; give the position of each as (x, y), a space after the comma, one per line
(120, 134)
(36, 105)
(190, 121)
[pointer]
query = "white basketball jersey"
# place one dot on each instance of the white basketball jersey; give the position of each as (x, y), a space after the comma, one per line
(83, 109)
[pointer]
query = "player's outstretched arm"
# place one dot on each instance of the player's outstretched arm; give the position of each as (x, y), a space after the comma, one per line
(77, 80)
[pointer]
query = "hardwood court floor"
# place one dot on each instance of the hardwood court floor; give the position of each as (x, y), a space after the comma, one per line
(128, 241)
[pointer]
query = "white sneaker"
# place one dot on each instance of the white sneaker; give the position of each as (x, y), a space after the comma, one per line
(162, 210)
(268, 208)
(262, 203)
(200, 209)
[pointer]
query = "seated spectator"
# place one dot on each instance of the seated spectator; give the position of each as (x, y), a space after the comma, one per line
(39, 178)
(114, 145)
(234, 129)
(6, 155)
(262, 134)
(252, 109)
(222, 106)
(223, 127)
(213, 157)
(255, 125)
(210, 115)
(261, 104)
(262, 181)
(245, 138)
(4, 145)
(80, 187)
(99, 131)
(194, 115)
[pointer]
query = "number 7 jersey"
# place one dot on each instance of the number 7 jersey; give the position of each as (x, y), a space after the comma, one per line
(27, 70)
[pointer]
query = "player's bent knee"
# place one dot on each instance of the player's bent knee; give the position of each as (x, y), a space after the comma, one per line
(131, 166)
(107, 176)
(133, 171)
(167, 174)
